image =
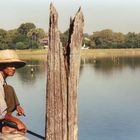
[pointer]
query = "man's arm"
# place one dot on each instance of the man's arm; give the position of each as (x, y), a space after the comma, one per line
(19, 109)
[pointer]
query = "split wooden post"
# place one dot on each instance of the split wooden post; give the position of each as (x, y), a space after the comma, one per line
(62, 79)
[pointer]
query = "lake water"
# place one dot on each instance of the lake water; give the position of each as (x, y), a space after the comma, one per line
(108, 98)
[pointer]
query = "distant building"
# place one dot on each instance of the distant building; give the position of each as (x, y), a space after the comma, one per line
(85, 47)
(44, 42)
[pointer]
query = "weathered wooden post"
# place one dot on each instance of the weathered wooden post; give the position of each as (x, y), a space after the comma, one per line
(62, 79)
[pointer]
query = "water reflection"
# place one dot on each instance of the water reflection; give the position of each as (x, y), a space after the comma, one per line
(104, 65)
(29, 73)
(109, 98)
(108, 65)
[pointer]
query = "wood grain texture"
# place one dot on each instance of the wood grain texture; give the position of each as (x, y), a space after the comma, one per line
(62, 79)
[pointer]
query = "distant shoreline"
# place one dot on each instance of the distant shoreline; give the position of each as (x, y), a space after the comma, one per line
(87, 53)
(101, 53)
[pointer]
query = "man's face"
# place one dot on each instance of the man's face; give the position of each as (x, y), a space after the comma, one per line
(9, 71)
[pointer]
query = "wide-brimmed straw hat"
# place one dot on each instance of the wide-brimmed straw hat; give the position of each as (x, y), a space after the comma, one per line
(10, 58)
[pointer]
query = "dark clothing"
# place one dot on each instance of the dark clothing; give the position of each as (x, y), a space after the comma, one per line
(1, 125)
(11, 101)
(10, 98)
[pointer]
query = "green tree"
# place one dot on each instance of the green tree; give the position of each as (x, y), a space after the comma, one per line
(16, 37)
(21, 45)
(34, 36)
(138, 40)
(131, 40)
(107, 39)
(25, 28)
(12, 35)
(20, 38)
(4, 39)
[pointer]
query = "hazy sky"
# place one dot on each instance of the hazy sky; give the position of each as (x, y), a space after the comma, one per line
(118, 15)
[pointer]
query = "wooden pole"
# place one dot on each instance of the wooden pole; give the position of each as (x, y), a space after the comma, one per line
(62, 79)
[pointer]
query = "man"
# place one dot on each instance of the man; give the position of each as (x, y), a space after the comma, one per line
(9, 62)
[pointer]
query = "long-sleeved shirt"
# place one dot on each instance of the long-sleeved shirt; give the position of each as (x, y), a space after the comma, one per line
(3, 106)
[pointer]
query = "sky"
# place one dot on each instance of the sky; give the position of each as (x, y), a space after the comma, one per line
(118, 15)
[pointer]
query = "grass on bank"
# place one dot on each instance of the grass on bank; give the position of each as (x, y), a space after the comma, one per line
(32, 54)
(41, 54)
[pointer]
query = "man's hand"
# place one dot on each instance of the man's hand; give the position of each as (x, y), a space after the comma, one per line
(20, 110)
(20, 125)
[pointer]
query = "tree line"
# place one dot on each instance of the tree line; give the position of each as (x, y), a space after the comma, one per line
(109, 39)
(28, 36)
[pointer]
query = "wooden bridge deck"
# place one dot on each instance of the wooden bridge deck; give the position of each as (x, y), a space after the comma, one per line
(12, 137)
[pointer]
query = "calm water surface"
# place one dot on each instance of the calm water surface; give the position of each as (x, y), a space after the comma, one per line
(109, 98)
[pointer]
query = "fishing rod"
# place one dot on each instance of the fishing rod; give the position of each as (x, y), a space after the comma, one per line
(13, 125)
(35, 134)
